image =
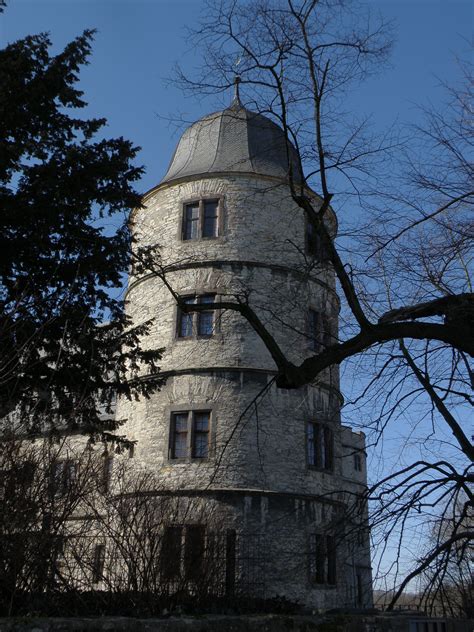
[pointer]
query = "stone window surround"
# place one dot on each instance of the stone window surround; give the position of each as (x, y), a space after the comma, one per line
(325, 338)
(322, 425)
(329, 559)
(221, 210)
(188, 407)
(183, 566)
(319, 253)
(98, 562)
(200, 291)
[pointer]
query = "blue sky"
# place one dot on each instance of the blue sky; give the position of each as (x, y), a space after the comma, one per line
(138, 41)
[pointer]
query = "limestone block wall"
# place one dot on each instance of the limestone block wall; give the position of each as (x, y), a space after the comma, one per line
(281, 300)
(260, 445)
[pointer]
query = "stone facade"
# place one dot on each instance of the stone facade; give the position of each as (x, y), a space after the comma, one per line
(256, 473)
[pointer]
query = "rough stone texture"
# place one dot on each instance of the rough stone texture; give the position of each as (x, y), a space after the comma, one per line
(262, 487)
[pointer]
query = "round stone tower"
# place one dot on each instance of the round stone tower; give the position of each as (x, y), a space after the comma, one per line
(273, 471)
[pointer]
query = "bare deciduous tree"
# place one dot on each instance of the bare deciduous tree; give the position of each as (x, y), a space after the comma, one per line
(407, 317)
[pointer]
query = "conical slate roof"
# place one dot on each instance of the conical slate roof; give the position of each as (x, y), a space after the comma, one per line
(233, 140)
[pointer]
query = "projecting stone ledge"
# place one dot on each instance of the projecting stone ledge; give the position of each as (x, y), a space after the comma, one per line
(406, 622)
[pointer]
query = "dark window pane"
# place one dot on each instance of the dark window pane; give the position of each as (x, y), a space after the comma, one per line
(179, 450)
(201, 435)
(320, 559)
(331, 559)
(191, 221)
(179, 437)
(98, 563)
(194, 552)
(205, 323)
(314, 243)
(357, 462)
(315, 330)
(328, 452)
(106, 473)
(312, 239)
(171, 552)
(210, 218)
(201, 422)
(181, 422)
(185, 325)
(310, 444)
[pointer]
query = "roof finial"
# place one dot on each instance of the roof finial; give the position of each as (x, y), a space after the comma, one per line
(236, 100)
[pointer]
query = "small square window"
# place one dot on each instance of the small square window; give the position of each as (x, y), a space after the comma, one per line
(189, 434)
(201, 219)
(319, 446)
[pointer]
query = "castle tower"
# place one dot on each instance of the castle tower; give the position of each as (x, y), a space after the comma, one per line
(275, 468)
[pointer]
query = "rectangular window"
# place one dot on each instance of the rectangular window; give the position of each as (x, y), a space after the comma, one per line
(319, 446)
(200, 324)
(201, 219)
(323, 559)
(63, 476)
(171, 552)
(98, 563)
(106, 473)
(194, 551)
(319, 331)
(190, 434)
(314, 243)
(357, 462)
(183, 552)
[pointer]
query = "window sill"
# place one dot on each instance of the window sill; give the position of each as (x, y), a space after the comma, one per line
(187, 460)
(199, 239)
(323, 470)
(215, 336)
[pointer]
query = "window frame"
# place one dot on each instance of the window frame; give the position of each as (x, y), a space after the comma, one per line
(326, 451)
(200, 201)
(357, 462)
(195, 317)
(321, 339)
(98, 563)
(323, 571)
(64, 473)
(191, 412)
(318, 253)
(183, 562)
